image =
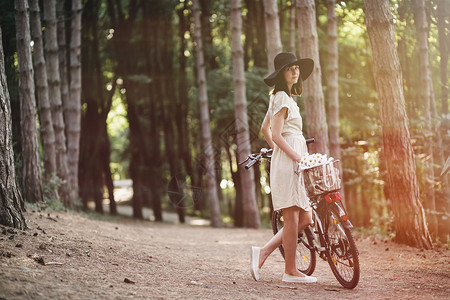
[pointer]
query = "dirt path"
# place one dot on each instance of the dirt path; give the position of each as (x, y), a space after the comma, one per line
(69, 256)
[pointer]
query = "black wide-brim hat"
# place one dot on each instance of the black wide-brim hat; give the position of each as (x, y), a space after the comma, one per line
(286, 59)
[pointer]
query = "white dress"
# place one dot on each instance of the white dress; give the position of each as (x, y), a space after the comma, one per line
(287, 187)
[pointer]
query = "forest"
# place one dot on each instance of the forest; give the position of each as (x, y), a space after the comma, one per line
(170, 94)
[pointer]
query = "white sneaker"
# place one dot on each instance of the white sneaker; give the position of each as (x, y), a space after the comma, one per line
(298, 279)
(254, 262)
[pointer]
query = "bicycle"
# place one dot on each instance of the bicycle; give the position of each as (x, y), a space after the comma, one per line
(329, 237)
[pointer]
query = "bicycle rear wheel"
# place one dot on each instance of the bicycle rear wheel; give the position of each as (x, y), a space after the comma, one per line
(343, 255)
(306, 255)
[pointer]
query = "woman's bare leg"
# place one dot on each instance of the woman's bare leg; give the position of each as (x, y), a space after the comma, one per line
(289, 237)
(270, 246)
(305, 219)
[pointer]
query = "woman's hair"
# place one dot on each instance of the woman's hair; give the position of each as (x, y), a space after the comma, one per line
(280, 85)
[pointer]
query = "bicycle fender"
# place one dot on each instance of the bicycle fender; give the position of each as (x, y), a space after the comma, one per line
(346, 223)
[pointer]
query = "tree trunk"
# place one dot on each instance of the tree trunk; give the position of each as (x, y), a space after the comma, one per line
(272, 25)
(426, 92)
(165, 54)
(442, 189)
(254, 36)
(182, 111)
(241, 121)
(207, 37)
(204, 116)
(51, 53)
(238, 212)
(403, 58)
(442, 26)
(31, 165)
(74, 109)
(64, 77)
(249, 31)
(333, 94)
(107, 176)
(316, 122)
(442, 141)
(11, 202)
(292, 28)
(409, 218)
(155, 163)
(63, 51)
(258, 53)
(93, 167)
(45, 114)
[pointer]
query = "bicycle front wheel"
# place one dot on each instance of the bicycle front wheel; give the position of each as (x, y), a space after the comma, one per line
(343, 254)
(306, 255)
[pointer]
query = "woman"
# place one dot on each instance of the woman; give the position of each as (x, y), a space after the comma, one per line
(282, 129)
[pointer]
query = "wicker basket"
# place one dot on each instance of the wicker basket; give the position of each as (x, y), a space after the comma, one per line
(322, 179)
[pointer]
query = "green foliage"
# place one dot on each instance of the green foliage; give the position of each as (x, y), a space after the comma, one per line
(118, 129)
(50, 194)
(356, 87)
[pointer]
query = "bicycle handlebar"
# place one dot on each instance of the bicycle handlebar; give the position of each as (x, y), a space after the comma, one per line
(309, 141)
(251, 163)
(263, 153)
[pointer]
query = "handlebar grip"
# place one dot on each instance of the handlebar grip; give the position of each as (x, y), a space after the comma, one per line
(251, 163)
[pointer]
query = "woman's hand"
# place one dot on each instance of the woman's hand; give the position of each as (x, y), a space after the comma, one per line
(297, 157)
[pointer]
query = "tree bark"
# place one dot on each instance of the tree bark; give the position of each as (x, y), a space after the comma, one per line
(63, 51)
(333, 93)
(155, 163)
(273, 38)
(426, 95)
(54, 80)
(254, 36)
(241, 120)
(316, 122)
(409, 217)
(292, 28)
(31, 165)
(443, 51)
(442, 24)
(165, 54)
(258, 53)
(74, 109)
(249, 32)
(204, 115)
(182, 111)
(207, 37)
(45, 114)
(93, 167)
(11, 202)
(107, 176)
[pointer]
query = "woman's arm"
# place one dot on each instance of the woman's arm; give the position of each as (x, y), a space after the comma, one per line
(277, 126)
(265, 130)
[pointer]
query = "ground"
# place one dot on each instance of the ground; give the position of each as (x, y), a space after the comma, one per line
(66, 255)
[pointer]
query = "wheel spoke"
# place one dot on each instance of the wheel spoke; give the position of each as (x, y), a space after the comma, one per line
(343, 258)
